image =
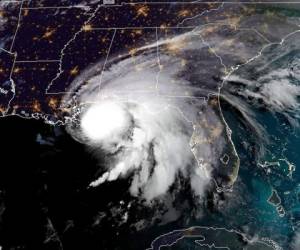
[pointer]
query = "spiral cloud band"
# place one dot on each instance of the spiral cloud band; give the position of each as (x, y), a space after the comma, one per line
(151, 124)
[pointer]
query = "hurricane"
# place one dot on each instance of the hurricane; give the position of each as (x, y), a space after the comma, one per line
(154, 117)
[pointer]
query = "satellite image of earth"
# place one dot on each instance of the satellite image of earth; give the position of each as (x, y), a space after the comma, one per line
(129, 125)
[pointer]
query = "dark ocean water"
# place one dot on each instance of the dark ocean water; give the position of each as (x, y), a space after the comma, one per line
(45, 174)
(45, 202)
(44, 199)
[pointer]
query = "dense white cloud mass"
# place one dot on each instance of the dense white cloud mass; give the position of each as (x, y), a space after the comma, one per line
(148, 112)
(104, 120)
(142, 117)
(149, 140)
